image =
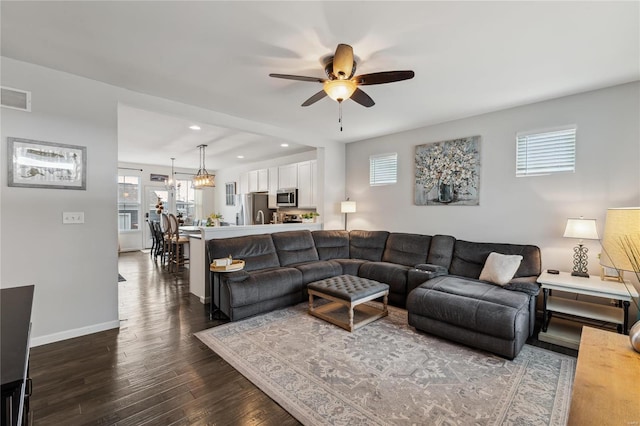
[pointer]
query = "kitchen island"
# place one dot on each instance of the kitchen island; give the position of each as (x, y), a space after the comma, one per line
(199, 267)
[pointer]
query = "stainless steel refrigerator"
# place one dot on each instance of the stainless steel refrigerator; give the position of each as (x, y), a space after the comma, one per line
(249, 206)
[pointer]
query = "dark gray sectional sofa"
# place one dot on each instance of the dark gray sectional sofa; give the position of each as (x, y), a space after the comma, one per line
(434, 277)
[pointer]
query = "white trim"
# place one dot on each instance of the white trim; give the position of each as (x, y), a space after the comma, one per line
(76, 332)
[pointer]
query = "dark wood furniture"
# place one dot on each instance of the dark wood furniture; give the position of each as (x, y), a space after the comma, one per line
(15, 321)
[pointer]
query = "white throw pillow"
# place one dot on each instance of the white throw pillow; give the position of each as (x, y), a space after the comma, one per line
(500, 268)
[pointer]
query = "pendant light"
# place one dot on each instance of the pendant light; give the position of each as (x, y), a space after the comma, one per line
(203, 179)
(170, 183)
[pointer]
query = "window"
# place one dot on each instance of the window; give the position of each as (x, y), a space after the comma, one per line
(542, 153)
(383, 169)
(185, 198)
(128, 203)
(230, 193)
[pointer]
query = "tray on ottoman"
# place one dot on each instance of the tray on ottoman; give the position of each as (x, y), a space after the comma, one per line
(350, 292)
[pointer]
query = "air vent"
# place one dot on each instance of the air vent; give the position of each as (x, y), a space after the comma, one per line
(15, 99)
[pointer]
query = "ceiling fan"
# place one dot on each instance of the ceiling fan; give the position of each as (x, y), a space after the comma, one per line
(341, 84)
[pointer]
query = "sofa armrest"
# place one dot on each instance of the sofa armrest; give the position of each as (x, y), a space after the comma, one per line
(423, 272)
(236, 276)
(525, 285)
(436, 270)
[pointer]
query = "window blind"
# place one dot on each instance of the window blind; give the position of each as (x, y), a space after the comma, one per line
(383, 169)
(546, 152)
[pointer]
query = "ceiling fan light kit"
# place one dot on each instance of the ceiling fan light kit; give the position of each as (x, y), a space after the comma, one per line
(203, 179)
(339, 90)
(340, 83)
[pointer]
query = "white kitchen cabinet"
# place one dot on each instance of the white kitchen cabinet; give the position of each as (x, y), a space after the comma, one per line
(263, 180)
(273, 187)
(253, 181)
(288, 176)
(307, 176)
(244, 184)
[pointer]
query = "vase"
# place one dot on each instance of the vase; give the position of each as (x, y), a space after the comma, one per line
(445, 192)
(634, 336)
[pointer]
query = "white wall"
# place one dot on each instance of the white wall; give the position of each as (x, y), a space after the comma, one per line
(529, 210)
(73, 267)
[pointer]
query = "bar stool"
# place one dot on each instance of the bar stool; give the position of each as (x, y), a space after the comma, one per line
(165, 229)
(178, 245)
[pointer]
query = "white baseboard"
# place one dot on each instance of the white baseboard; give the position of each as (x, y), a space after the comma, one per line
(203, 300)
(76, 332)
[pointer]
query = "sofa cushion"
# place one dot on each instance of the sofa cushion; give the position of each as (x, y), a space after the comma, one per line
(318, 270)
(264, 285)
(350, 266)
(388, 273)
(500, 268)
(294, 247)
(257, 251)
(470, 304)
(367, 245)
(406, 249)
(469, 258)
(441, 250)
(331, 244)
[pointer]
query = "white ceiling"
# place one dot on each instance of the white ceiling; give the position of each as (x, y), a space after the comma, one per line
(469, 58)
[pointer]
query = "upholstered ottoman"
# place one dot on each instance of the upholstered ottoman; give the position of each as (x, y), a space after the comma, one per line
(476, 313)
(351, 292)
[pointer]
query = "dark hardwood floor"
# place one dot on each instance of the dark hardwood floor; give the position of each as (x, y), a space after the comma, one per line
(150, 371)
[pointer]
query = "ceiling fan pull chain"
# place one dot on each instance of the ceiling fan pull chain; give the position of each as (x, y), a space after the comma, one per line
(340, 114)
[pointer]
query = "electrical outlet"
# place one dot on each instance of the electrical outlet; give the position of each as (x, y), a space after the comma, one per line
(72, 217)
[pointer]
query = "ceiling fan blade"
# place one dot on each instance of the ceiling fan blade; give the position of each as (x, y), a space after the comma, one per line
(298, 77)
(383, 77)
(315, 98)
(343, 62)
(362, 98)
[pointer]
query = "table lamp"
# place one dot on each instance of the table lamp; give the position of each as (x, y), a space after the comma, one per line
(347, 207)
(621, 250)
(583, 229)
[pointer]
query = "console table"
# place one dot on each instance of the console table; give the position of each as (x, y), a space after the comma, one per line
(567, 332)
(15, 318)
(605, 389)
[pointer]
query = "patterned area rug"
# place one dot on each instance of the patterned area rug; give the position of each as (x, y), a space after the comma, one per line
(386, 373)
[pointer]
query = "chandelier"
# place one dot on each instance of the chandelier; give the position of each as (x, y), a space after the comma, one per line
(203, 179)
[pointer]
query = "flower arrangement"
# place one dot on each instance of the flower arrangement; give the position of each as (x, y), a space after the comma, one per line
(213, 219)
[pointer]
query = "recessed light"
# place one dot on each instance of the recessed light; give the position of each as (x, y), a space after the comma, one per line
(284, 145)
(240, 156)
(194, 127)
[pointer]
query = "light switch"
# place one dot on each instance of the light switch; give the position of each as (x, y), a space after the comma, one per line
(72, 217)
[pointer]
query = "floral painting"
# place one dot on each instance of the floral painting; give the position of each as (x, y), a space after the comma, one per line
(448, 173)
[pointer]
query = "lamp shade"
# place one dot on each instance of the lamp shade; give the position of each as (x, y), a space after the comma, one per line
(348, 207)
(621, 240)
(340, 90)
(584, 229)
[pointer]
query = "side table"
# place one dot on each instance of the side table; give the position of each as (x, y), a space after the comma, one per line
(214, 283)
(567, 332)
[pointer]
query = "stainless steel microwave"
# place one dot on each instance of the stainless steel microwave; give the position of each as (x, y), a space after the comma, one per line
(287, 197)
